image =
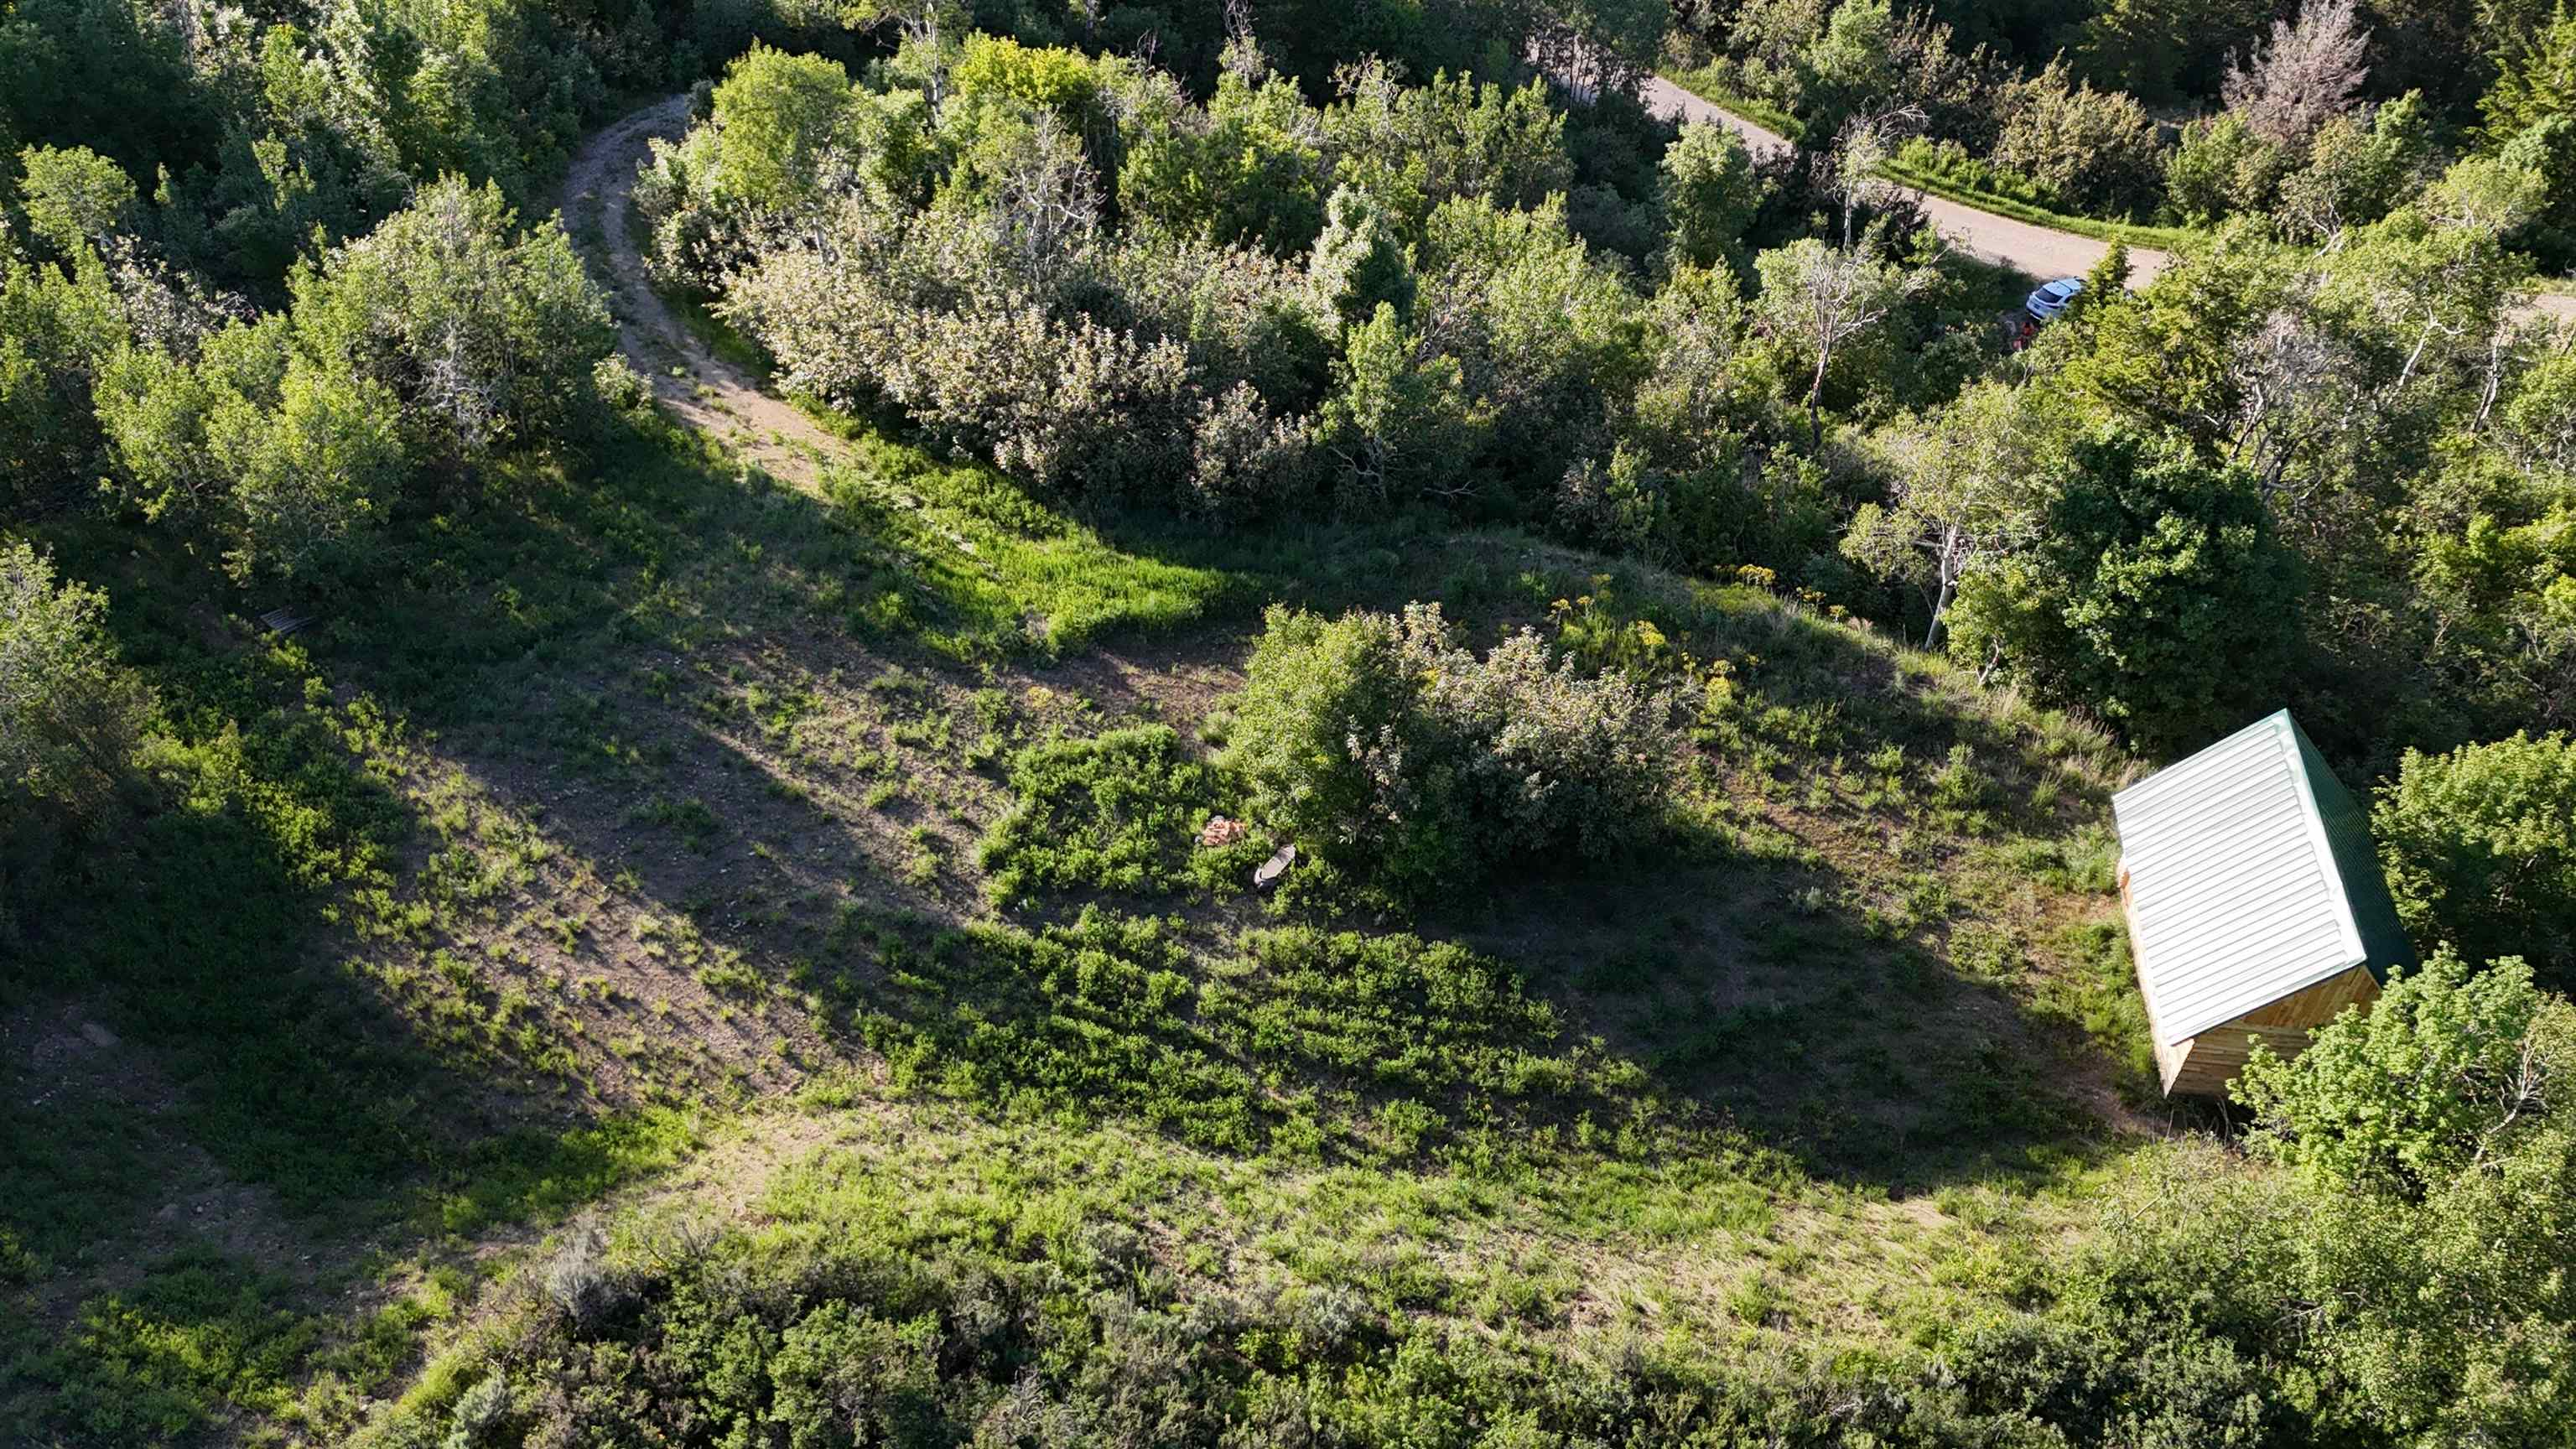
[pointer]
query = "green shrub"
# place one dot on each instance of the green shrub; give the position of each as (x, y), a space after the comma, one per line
(2092, 151)
(1950, 162)
(1377, 742)
(2405, 1095)
(70, 713)
(2222, 169)
(2357, 173)
(2435, 1149)
(1710, 193)
(2157, 593)
(485, 332)
(2481, 853)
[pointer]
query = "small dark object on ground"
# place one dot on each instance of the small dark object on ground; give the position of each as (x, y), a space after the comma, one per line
(1275, 867)
(284, 621)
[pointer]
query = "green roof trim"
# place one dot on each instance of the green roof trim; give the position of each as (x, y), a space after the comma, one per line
(2365, 885)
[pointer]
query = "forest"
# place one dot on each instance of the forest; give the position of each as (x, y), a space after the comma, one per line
(648, 649)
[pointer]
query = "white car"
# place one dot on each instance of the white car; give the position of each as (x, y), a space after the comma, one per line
(2044, 304)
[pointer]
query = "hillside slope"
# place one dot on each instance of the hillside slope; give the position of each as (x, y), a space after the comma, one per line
(665, 853)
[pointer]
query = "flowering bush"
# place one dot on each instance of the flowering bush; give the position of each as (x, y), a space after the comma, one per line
(1386, 748)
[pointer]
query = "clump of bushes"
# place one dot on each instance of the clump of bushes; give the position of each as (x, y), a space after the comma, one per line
(71, 715)
(2478, 849)
(2090, 150)
(447, 338)
(1382, 745)
(849, 1325)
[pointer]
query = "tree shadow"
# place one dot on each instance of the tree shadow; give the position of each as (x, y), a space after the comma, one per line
(691, 686)
(1748, 987)
(1782, 989)
(1884, 945)
(212, 935)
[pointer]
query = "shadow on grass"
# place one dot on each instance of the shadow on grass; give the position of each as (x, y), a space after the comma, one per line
(538, 628)
(202, 932)
(1789, 993)
(1741, 985)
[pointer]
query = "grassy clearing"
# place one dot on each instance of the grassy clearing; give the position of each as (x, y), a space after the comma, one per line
(499, 895)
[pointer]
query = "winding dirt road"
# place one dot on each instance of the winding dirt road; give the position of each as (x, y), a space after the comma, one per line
(2036, 251)
(701, 389)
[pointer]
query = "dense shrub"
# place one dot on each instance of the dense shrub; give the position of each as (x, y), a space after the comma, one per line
(287, 465)
(1710, 194)
(2361, 168)
(2548, 150)
(2480, 852)
(2435, 1142)
(56, 329)
(1250, 174)
(1384, 292)
(1543, 330)
(487, 334)
(70, 713)
(1400, 418)
(2092, 151)
(2156, 591)
(1414, 147)
(445, 336)
(2223, 169)
(1379, 743)
(2400, 1098)
(851, 1325)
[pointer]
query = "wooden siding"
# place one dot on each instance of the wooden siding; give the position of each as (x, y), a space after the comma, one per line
(2204, 1065)
(2318, 1004)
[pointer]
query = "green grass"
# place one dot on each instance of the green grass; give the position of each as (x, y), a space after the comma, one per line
(1704, 85)
(642, 788)
(1120, 812)
(1001, 572)
(2160, 238)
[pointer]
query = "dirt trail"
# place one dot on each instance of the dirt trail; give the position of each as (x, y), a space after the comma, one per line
(2037, 251)
(700, 388)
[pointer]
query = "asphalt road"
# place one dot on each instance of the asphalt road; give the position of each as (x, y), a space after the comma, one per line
(2035, 250)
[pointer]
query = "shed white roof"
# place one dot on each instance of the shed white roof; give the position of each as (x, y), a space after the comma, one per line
(2235, 899)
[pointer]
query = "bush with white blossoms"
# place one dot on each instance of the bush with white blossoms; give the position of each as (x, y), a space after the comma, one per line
(1381, 744)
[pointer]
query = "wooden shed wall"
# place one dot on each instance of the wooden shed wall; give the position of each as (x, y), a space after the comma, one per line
(2202, 1066)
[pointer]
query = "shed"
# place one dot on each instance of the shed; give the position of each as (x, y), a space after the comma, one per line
(2256, 907)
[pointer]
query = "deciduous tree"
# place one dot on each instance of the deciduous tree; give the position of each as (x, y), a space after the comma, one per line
(1968, 489)
(2479, 850)
(2309, 71)
(1817, 297)
(2157, 593)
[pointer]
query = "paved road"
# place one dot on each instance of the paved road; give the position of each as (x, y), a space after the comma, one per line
(2036, 250)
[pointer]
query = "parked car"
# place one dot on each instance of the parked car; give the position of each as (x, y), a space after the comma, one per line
(2044, 304)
